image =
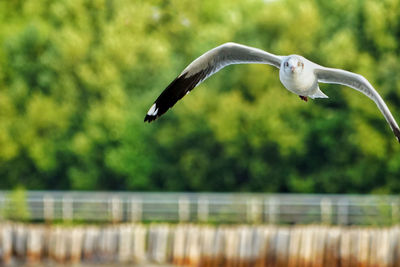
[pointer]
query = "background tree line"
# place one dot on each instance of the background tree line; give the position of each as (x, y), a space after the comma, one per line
(77, 78)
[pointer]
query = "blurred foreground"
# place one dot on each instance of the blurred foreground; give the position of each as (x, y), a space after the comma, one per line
(216, 208)
(53, 264)
(203, 245)
(203, 229)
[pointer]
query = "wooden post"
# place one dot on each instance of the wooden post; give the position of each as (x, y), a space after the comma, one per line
(90, 242)
(179, 244)
(193, 246)
(295, 247)
(363, 248)
(332, 247)
(48, 208)
(232, 240)
(125, 244)
(3, 206)
(116, 209)
(282, 247)
(34, 244)
(210, 246)
(20, 236)
(343, 210)
(273, 210)
(395, 212)
(184, 209)
(158, 237)
(345, 248)
(107, 243)
(202, 209)
(326, 211)
(6, 242)
(67, 208)
(57, 245)
(254, 210)
(136, 209)
(139, 243)
(245, 246)
(76, 245)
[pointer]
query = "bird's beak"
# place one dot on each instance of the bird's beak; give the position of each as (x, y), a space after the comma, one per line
(292, 68)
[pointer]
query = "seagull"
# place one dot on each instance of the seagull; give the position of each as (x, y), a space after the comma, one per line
(297, 74)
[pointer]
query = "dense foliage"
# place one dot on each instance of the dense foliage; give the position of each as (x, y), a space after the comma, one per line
(77, 78)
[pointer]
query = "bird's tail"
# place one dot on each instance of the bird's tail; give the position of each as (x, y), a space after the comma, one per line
(319, 94)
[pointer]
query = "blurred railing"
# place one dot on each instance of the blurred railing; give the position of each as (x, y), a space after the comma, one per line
(205, 207)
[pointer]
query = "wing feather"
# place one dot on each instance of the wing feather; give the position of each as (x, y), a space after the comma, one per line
(205, 66)
(359, 83)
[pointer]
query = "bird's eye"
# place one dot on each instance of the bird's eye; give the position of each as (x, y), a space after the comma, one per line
(286, 64)
(299, 64)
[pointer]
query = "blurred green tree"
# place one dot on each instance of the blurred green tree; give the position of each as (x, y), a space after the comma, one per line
(76, 79)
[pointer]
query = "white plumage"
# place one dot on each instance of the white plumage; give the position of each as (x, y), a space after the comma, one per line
(298, 74)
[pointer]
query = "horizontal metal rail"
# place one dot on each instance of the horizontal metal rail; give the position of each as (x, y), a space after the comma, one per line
(200, 207)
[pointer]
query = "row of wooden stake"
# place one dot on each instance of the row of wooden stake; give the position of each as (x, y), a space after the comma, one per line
(203, 245)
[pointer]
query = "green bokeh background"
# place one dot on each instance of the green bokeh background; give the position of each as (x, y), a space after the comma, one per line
(77, 78)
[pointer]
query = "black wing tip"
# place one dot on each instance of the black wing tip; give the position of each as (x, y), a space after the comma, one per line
(150, 118)
(397, 134)
(153, 113)
(396, 131)
(177, 89)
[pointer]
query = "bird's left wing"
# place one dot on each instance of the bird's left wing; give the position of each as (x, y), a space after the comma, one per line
(205, 66)
(358, 82)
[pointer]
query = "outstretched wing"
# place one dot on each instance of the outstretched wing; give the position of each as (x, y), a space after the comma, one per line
(205, 66)
(358, 82)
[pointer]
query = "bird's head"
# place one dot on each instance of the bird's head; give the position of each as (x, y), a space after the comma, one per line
(293, 65)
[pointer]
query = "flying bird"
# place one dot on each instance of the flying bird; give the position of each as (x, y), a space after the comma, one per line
(297, 74)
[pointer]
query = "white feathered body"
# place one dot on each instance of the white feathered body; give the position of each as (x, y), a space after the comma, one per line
(303, 83)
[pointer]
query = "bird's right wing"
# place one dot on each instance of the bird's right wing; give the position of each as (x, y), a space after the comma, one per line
(358, 82)
(205, 66)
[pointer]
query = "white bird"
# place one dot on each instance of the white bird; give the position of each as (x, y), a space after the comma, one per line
(298, 74)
